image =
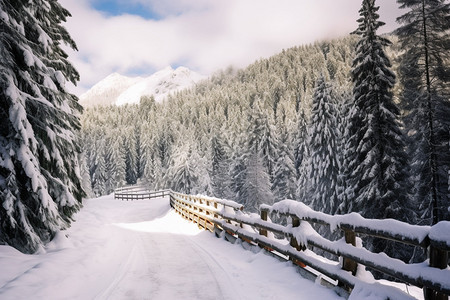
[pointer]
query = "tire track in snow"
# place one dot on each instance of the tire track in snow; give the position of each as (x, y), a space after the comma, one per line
(122, 271)
(228, 288)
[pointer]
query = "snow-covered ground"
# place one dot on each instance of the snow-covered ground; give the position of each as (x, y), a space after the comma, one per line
(144, 250)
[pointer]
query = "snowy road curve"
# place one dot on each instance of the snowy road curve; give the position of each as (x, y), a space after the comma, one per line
(143, 250)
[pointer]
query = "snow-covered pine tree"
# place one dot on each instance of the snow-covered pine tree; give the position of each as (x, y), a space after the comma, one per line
(322, 145)
(268, 140)
(146, 142)
(346, 151)
(300, 140)
(116, 165)
(131, 156)
(187, 171)
(220, 180)
(85, 176)
(425, 77)
(256, 187)
(150, 160)
(380, 159)
(40, 185)
(237, 168)
(152, 172)
(301, 154)
(164, 143)
(284, 179)
(379, 178)
(98, 170)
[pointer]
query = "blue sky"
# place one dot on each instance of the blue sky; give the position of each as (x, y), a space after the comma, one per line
(117, 8)
(140, 37)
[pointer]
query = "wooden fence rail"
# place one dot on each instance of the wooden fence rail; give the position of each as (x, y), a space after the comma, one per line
(138, 193)
(299, 238)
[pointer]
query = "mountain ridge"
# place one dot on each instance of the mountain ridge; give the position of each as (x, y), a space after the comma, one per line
(117, 89)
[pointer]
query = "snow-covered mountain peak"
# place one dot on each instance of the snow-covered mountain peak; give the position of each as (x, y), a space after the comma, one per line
(118, 89)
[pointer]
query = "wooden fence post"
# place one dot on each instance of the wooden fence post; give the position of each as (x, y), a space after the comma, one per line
(264, 218)
(294, 242)
(263, 231)
(348, 264)
(438, 259)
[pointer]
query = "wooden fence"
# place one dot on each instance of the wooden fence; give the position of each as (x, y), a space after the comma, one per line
(138, 192)
(298, 238)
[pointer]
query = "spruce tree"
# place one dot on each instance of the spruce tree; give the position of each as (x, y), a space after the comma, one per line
(187, 172)
(220, 166)
(85, 176)
(425, 77)
(300, 139)
(346, 150)
(131, 156)
(116, 165)
(268, 141)
(284, 179)
(237, 171)
(256, 187)
(379, 159)
(322, 144)
(40, 185)
(301, 155)
(379, 176)
(99, 170)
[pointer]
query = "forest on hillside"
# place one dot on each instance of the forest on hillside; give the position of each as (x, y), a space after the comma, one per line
(198, 139)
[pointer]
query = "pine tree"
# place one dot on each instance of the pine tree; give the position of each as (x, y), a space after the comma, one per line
(85, 176)
(268, 139)
(153, 174)
(425, 77)
(220, 167)
(116, 164)
(131, 157)
(99, 171)
(237, 170)
(40, 184)
(187, 172)
(300, 140)
(322, 144)
(302, 157)
(256, 187)
(284, 179)
(379, 176)
(346, 150)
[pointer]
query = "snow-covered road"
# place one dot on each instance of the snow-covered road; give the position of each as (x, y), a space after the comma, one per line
(143, 250)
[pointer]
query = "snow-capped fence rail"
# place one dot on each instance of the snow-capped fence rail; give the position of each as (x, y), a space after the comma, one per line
(203, 210)
(300, 238)
(138, 192)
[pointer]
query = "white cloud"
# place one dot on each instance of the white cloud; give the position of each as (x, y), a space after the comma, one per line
(204, 35)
